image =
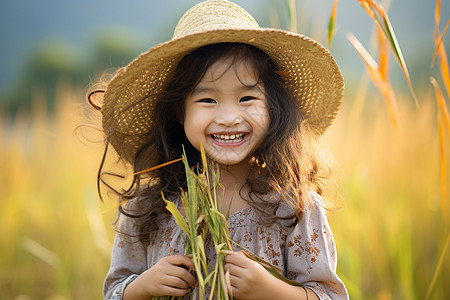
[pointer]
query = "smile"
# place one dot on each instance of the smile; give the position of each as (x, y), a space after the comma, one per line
(228, 139)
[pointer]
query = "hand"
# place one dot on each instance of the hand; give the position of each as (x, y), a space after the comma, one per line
(168, 277)
(249, 280)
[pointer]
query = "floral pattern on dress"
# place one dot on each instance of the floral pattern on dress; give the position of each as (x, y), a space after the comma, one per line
(305, 253)
(307, 247)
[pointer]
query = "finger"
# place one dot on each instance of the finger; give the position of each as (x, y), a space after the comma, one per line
(234, 270)
(182, 260)
(190, 279)
(173, 291)
(238, 258)
(234, 280)
(236, 293)
(183, 274)
(240, 254)
(176, 282)
(230, 258)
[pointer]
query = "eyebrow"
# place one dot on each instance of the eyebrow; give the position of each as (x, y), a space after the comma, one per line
(201, 89)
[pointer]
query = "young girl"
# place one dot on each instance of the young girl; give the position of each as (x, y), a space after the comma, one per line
(257, 99)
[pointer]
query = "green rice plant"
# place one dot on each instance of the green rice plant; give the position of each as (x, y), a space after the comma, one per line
(203, 218)
(331, 22)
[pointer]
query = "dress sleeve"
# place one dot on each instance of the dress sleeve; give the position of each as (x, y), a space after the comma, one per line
(310, 254)
(128, 260)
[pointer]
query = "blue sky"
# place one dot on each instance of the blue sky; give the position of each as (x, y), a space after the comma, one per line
(27, 24)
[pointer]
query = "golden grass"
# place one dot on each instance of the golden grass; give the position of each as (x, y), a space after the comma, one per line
(376, 11)
(392, 222)
(442, 114)
(54, 244)
(379, 75)
(390, 235)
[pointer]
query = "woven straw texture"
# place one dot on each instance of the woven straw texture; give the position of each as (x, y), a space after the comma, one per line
(314, 77)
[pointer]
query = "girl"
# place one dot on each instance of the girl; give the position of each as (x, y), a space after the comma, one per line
(258, 99)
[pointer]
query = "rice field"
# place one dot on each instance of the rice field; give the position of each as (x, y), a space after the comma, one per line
(392, 229)
(390, 233)
(54, 243)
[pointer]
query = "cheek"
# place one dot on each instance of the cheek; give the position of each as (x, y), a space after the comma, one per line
(193, 138)
(185, 117)
(260, 117)
(194, 128)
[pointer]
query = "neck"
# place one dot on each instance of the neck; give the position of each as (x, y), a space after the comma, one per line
(232, 179)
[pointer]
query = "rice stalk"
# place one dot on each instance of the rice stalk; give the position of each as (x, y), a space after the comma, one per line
(171, 207)
(442, 166)
(114, 207)
(439, 43)
(441, 104)
(159, 166)
(443, 122)
(438, 267)
(383, 57)
(292, 16)
(203, 218)
(99, 234)
(378, 75)
(41, 252)
(331, 23)
(442, 110)
(437, 12)
(379, 15)
(440, 49)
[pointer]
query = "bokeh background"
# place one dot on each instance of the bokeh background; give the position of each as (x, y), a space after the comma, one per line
(55, 235)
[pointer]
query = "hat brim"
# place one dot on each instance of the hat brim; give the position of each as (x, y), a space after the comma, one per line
(314, 79)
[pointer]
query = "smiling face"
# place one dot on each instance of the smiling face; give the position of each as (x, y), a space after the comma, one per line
(228, 112)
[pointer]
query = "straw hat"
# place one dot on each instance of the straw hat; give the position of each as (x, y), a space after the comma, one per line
(314, 77)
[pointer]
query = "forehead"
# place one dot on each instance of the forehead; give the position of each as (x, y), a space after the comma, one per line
(241, 67)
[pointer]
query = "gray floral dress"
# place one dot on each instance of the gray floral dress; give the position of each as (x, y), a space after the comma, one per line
(305, 253)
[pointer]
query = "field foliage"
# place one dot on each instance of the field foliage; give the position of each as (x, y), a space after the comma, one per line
(392, 231)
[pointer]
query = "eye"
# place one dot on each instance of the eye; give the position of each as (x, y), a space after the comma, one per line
(246, 98)
(207, 100)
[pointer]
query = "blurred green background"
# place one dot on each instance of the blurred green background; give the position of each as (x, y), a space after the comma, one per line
(55, 235)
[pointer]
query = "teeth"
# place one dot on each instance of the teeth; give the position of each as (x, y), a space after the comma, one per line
(224, 138)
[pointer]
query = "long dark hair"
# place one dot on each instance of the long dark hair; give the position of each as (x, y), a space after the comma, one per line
(286, 162)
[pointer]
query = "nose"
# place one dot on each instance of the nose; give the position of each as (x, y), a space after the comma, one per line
(229, 115)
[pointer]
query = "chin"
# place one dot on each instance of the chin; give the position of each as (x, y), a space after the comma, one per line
(232, 161)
